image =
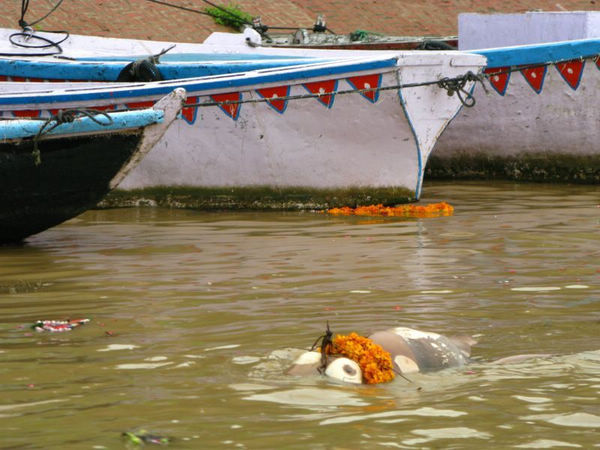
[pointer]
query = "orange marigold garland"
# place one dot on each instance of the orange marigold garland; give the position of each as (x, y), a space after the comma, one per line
(374, 361)
(410, 210)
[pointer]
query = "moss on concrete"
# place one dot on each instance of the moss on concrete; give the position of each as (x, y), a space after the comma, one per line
(538, 167)
(255, 197)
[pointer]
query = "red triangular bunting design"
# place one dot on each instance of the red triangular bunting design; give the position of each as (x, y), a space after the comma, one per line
(134, 105)
(323, 87)
(571, 71)
(27, 113)
(189, 114)
(498, 78)
(367, 82)
(273, 94)
(3, 78)
(231, 109)
(535, 77)
(598, 62)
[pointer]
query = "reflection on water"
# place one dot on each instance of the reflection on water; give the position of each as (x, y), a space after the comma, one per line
(195, 316)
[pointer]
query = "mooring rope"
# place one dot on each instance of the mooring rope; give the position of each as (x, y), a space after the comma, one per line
(64, 116)
(452, 85)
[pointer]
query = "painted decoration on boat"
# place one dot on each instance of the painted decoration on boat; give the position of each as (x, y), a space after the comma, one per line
(141, 105)
(367, 82)
(274, 97)
(324, 89)
(27, 113)
(231, 109)
(498, 78)
(189, 113)
(535, 77)
(571, 71)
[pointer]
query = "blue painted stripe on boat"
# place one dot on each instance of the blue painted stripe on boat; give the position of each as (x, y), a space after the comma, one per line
(25, 128)
(197, 86)
(110, 70)
(539, 53)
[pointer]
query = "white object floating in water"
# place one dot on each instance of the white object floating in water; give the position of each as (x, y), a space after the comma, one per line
(439, 291)
(357, 291)
(576, 286)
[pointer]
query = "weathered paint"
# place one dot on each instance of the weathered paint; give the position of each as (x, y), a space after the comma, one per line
(18, 129)
(538, 122)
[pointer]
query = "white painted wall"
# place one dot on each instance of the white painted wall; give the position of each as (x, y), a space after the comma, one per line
(501, 30)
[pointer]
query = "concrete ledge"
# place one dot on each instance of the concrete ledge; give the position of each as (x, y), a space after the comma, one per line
(538, 167)
(255, 198)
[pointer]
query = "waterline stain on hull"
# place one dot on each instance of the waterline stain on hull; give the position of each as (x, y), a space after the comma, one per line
(537, 167)
(255, 197)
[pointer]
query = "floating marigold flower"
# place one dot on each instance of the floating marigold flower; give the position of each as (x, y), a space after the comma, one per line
(410, 210)
(375, 363)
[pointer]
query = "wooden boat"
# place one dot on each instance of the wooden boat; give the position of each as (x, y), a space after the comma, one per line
(93, 58)
(320, 37)
(363, 125)
(55, 168)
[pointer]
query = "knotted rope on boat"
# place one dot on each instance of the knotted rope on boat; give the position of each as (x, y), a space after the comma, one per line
(65, 116)
(457, 85)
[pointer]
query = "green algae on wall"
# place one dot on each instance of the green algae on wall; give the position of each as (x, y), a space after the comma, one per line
(255, 197)
(537, 167)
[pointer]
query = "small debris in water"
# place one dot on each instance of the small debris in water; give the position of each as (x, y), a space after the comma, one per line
(58, 326)
(143, 437)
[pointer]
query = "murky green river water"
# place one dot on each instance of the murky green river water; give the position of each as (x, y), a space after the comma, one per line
(196, 315)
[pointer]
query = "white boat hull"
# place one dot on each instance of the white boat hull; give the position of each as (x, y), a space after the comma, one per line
(348, 140)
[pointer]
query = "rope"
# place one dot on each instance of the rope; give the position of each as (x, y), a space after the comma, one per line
(28, 33)
(447, 83)
(457, 85)
(64, 116)
(262, 29)
(25, 5)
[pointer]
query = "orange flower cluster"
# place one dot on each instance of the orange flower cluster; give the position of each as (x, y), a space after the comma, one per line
(410, 210)
(374, 361)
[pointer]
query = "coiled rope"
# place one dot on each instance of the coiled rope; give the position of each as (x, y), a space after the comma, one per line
(457, 86)
(28, 34)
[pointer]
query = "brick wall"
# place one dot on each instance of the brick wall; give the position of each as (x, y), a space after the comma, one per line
(145, 20)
